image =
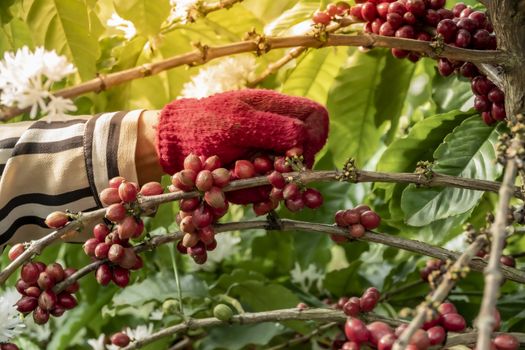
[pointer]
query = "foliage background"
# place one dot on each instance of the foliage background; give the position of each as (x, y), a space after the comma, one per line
(386, 113)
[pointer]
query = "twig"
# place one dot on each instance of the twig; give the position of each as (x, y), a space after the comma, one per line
(304, 338)
(319, 315)
(306, 177)
(207, 8)
(209, 53)
(470, 338)
(493, 276)
(294, 53)
(186, 341)
(413, 246)
(445, 286)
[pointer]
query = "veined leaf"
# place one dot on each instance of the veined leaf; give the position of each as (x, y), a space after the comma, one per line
(351, 103)
(300, 12)
(64, 25)
(315, 74)
(469, 151)
(146, 15)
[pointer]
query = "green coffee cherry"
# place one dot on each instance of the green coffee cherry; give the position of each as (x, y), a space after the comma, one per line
(170, 306)
(223, 312)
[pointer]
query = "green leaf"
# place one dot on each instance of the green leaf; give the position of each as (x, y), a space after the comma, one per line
(469, 151)
(146, 15)
(64, 25)
(300, 12)
(315, 74)
(351, 103)
(259, 297)
(160, 287)
(258, 334)
(345, 281)
(451, 93)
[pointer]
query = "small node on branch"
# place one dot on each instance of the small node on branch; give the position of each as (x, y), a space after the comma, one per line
(274, 221)
(438, 45)
(203, 48)
(260, 40)
(424, 170)
(349, 172)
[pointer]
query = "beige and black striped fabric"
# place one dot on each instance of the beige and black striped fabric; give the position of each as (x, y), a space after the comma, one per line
(60, 165)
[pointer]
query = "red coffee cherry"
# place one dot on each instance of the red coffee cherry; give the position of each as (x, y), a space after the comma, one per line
(357, 230)
(447, 308)
(127, 192)
(56, 271)
(420, 339)
(120, 339)
(436, 335)
(221, 177)
(26, 304)
(102, 250)
(56, 219)
(90, 245)
(29, 273)
(120, 276)
(244, 169)
(352, 307)
(15, 251)
(47, 300)
(116, 212)
(506, 342)
(367, 303)
(377, 331)
(116, 181)
(276, 179)
(263, 164)
(291, 191)
(453, 322)
(215, 198)
(312, 198)
(103, 274)
(8, 346)
(192, 162)
(386, 342)
(151, 189)
(321, 18)
(356, 330)
(40, 316)
(370, 220)
(281, 165)
(204, 180)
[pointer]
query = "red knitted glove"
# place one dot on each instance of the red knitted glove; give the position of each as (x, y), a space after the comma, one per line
(235, 125)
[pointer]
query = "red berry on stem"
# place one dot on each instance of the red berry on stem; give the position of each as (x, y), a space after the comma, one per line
(202, 217)
(436, 335)
(129, 259)
(263, 164)
(40, 316)
(312, 198)
(342, 8)
(291, 191)
(102, 250)
(244, 169)
(189, 204)
(56, 271)
(109, 196)
(215, 198)
(47, 300)
(397, 7)
(127, 228)
(262, 208)
(57, 219)
(90, 245)
(294, 204)
(369, 11)
(506, 342)
(276, 179)
(395, 20)
(498, 113)
(120, 339)
(508, 260)
(151, 189)
(377, 331)
(181, 248)
(481, 39)
(386, 342)
(186, 225)
(387, 29)
(192, 162)
(33, 292)
(356, 330)
(207, 234)
(399, 53)
(120, 276)
(367, 303)
(116, 181)
(410, 19)
(26, 304)
(351, 217)
(355, 11)
(281, 165)
(116, 212)
(115, 253)
(357, 230)
(29, 273)
(100, 232)
(447, 308)
(447, 29)
(103, 274)
(15, 251)
(487, 118)
(453, 322)
(127, 191)
(352, 307)
(370, 220)
(463, 38)
(204, 180)
(190, 239)
(420, 339)
(417, 7)
(321, 17)
(496, 95)
(445, 67)
(221, 177)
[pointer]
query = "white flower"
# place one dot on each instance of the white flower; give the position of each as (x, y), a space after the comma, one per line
(57, 107)
(98, 343)
(42, 333)
(181, 10)
(26, 78)
(121, 24)
(306, 279)
(231, 73)
(113, 347)
(140, 332)
(11, 323)
(156, 315)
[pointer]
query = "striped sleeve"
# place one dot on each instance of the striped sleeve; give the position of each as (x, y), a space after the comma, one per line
(60, 165)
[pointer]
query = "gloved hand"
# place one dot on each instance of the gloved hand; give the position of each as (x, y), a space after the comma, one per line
(235, 125)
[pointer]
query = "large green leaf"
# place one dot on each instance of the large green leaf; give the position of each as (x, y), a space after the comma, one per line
(300, 12)
(258, 334)
(256, 296)
(469, 151)
(146, 15)
(352, 106)
(65, 25)
(315, 74)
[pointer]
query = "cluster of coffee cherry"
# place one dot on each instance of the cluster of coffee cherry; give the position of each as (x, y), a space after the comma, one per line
(36, 286)
(111, 241)
(471, 29)
(8, 346)
(332, 12)
(206, 175)
(462, 26)
(357, 221)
